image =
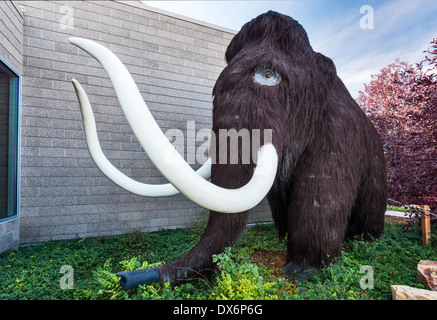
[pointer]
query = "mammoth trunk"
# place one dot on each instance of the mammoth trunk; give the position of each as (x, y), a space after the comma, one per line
(222, 230)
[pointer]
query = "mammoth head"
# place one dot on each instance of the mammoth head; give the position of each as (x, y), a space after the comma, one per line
(273, 79)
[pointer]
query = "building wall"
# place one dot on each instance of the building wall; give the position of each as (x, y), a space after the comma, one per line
(11, 48)
(174, 62)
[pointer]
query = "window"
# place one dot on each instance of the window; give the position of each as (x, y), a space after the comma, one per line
(9, 140)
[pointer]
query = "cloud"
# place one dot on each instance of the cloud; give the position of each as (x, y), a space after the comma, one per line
(402, 29)
(229, 14)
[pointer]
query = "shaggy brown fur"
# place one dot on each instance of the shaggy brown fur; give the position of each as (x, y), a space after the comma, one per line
(331, 173)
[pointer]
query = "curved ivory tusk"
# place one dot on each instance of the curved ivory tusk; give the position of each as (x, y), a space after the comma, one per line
(116, 176)
(160, 150)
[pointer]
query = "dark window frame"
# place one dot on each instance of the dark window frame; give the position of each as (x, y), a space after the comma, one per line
(14, 143)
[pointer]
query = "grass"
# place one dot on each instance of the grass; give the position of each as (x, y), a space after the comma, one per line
(33, 272)
(397, 208)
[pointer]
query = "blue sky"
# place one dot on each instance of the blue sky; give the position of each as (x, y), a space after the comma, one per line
(401, 28)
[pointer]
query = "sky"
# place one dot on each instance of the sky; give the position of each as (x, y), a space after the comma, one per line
(359, 43)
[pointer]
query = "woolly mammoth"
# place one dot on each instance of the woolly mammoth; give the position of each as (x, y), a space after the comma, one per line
(323, 172)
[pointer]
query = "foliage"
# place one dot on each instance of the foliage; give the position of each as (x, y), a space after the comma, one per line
(240, 279)
(33, 272)
(393, 259)
(401, 101)
(402, 209)
(432, 59)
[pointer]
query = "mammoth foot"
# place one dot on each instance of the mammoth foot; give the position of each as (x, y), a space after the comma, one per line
(134, 278)
(298, 272)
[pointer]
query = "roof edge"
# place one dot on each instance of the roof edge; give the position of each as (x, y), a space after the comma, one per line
(142, 5)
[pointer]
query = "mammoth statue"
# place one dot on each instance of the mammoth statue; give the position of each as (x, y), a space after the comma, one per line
(323, 172)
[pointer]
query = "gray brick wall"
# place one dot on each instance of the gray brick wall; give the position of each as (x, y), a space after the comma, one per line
(11, 34)
(11, 48)
(174, 62)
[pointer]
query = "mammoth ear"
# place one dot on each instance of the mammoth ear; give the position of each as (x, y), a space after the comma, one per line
(324, 75)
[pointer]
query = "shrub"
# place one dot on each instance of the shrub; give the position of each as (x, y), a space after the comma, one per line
(240, 279)
(401, 101)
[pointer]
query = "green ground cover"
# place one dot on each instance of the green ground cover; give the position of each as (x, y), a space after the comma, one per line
(366, 271)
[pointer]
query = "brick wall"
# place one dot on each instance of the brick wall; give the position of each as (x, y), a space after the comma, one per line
(174, 62)
(11, 34)
(11, 47)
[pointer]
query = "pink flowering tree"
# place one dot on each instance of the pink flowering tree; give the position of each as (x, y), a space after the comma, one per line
(401, 101)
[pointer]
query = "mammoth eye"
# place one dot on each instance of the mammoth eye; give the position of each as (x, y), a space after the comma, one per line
(266, 75)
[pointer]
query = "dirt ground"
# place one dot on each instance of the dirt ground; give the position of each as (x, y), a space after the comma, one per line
(273, 260)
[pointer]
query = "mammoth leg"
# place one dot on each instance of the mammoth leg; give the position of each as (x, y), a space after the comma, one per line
(279, 202)
(222, 230)
(317, 220)
(367, 216)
